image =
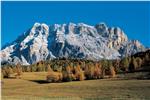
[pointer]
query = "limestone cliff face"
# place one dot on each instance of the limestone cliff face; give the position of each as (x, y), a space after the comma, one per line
(42, 42)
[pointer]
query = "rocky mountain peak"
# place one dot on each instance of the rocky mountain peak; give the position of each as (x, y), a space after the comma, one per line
(39, 29)
(83, 41)
(102, 28)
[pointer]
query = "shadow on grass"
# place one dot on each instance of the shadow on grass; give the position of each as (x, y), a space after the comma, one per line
(43, 81)
(46, 82)
(40, 81)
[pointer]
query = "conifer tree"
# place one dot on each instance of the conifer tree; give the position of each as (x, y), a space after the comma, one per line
(125, 63)
(112, 72)
(18, 69)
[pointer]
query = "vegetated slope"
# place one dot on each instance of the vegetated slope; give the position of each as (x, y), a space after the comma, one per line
(145, 56)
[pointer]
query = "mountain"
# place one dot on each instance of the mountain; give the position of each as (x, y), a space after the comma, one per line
(43, 42)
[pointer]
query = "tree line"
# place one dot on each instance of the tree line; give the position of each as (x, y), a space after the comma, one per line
(79, 69)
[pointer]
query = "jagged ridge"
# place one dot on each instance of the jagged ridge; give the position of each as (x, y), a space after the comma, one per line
(43, 42)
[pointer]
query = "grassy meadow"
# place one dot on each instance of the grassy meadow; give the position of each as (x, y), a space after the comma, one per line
(32, 86)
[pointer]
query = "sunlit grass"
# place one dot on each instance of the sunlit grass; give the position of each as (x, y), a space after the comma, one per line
(30, 88)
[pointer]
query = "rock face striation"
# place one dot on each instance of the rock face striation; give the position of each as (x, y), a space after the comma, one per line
(43, 42)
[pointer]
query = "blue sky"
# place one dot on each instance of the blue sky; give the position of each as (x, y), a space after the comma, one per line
(132, 17)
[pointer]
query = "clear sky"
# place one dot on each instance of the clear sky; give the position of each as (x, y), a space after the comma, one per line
(132, 17)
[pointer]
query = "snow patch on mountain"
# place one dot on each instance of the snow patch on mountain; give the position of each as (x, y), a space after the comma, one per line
(43, 42)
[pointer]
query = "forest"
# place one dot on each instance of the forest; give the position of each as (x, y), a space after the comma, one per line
(62, 69)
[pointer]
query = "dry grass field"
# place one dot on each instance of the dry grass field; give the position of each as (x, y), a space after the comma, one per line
(33, 86)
